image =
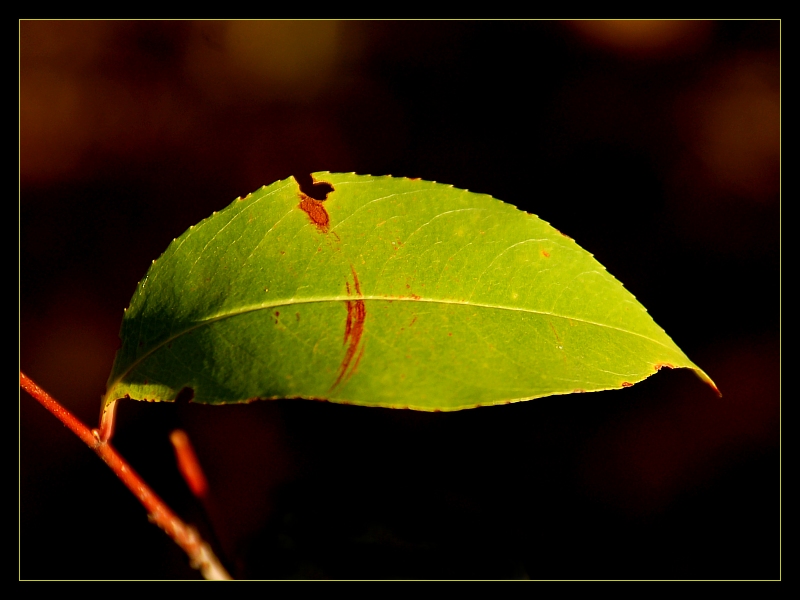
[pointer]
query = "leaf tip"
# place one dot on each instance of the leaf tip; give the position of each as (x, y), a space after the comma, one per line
(705, 378)
(702, 375)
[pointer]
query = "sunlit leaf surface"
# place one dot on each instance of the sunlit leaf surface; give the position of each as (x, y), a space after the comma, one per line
(390, 292)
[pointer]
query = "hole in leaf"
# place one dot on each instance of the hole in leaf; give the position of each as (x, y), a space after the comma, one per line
(318, 190)
(184, 396)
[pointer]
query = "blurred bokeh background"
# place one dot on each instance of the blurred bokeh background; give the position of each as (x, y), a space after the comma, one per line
(655, 145)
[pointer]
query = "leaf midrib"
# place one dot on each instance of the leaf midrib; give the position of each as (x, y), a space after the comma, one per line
(292, 302)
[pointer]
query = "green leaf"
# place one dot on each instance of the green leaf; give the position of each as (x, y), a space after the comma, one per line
(391, 292)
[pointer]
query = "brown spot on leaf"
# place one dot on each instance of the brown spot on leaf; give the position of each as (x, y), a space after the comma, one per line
(353, 331)
(316, 212)
(578, 391)
(660, 366)
(545, 253)
(626, 384)
(414, 320)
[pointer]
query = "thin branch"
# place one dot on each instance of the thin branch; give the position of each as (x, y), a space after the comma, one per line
(200, 554)
(188, 465)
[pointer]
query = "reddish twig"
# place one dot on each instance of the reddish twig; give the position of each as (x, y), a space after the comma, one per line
(199, 552)
(188, 464)
(192, 472)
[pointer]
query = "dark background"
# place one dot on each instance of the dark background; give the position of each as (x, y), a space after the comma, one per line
(656, 145)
